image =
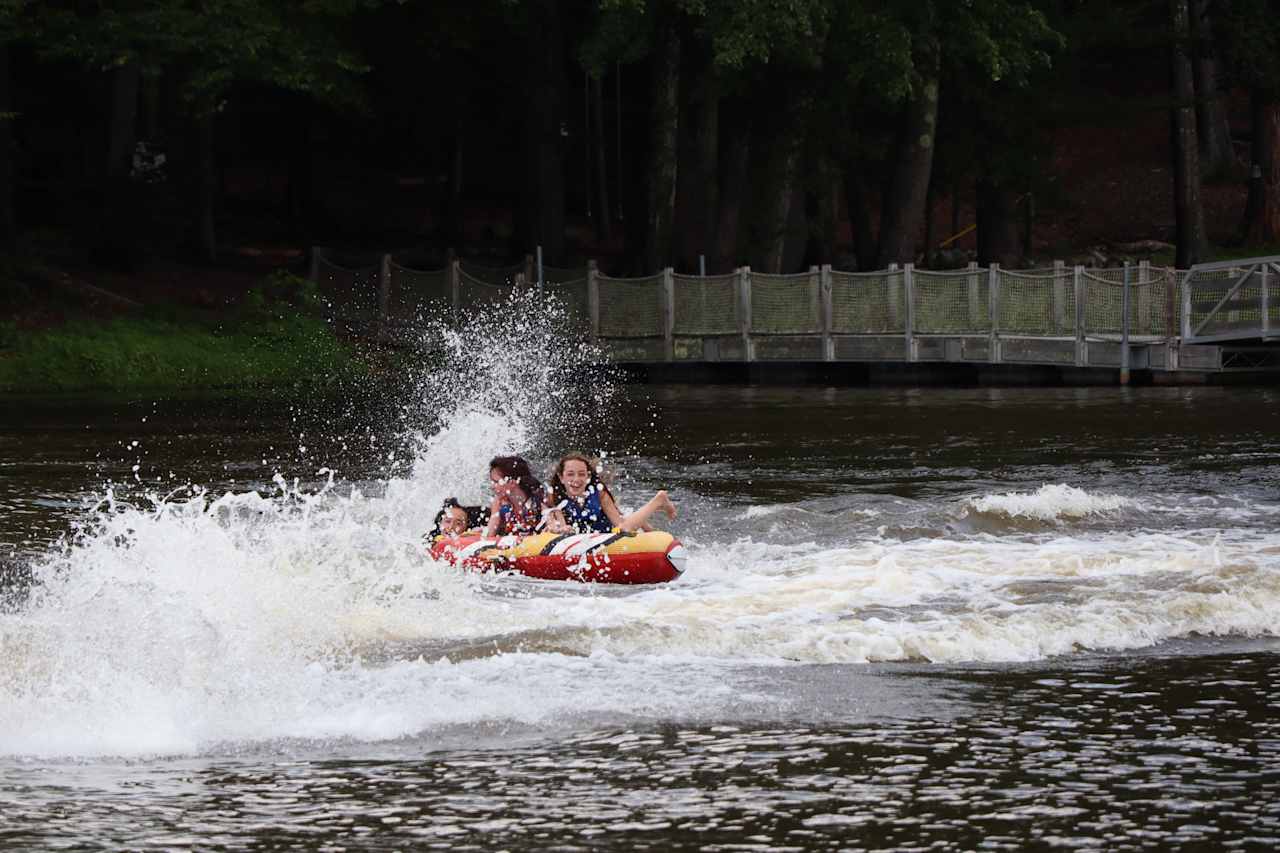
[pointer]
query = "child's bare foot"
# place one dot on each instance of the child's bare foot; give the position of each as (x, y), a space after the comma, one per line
(665, 504)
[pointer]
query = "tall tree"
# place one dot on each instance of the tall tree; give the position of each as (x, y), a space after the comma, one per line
(913, 160)
(1213, 133)
(1251, 31)
(664, 141)
(1188, 210)
(544, 107)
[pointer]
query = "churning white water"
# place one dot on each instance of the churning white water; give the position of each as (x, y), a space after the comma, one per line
(209, 622)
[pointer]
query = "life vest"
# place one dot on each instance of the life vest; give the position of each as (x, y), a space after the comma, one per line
(520, 520)
(586, 514)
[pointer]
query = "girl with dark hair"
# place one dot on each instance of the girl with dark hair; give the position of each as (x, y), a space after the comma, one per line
(580, 502)
(517, 498)
(454, 519)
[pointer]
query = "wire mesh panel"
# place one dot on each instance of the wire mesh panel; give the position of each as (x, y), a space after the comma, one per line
(1103, 302)
(491, 275)
(350, 282)
(1037, 303)
(867, 303)
(416, 293)
(572, 293)
(477, 294)
(1153, 302)
(1228, 301)
(785, 304)
(630, 307)
(951, 302)
(706, 305)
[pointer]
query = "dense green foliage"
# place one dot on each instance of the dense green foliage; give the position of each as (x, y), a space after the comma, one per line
(742, 130)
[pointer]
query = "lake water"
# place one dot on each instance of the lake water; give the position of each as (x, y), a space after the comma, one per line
(944, 619)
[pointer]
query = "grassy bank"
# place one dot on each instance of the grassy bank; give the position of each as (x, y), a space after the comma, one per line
(275, 337)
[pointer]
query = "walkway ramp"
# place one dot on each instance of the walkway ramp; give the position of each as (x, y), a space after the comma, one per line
(1232, 302)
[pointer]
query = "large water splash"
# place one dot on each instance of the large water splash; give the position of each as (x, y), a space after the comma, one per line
(167, 621)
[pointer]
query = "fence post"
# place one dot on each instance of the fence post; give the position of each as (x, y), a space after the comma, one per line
(908, 288)
(1082, 353)
(993, 306)
(668, 314)
(384, 293)
(825, 313)
(1059, 297)
(1186, 304)
(744, 310)
(975, 300)
(1266, 303)
(1143, 325)
(1124, 326)
(539, 269)
(895, 295)
(815, 293)
(593, 298)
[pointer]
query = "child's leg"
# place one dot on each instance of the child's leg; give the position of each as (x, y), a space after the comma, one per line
(637, 519)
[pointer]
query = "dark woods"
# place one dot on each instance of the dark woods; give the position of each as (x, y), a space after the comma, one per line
(644, 133)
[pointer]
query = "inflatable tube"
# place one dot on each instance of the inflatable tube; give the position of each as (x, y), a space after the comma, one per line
(647, 557)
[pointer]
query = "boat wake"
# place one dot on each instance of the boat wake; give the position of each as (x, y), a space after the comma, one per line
(197, 622)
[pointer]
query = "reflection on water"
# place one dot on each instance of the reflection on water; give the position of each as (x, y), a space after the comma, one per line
(1145, 753)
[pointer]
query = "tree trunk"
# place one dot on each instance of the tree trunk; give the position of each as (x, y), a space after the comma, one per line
(822, 207)
(733, 196)
(8, 223)
(930, 228)
(858, 202)
(1262, 210)
(450, 225)
(1188, 211)
(545, 200)
(664, 151)
(205, 238)
(909, 184)
(997, 224)
(125, 83)
(697, 185)
(300, 194)
(1213, 133)
(778, 189)
(604, 213)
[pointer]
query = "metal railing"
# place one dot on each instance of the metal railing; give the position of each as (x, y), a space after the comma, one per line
(900, 313)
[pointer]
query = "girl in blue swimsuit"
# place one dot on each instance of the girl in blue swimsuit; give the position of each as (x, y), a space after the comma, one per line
(579, 502)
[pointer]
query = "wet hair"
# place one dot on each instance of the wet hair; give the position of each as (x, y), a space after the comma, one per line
(517, 469)
(477, 516)
(556, 486)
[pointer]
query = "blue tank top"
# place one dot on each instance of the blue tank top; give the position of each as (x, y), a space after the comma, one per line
(586, 514)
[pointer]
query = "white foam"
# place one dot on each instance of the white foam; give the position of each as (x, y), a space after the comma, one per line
(1050, 503)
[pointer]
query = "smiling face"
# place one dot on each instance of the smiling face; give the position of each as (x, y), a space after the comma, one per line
(454, 522)
(576, 476)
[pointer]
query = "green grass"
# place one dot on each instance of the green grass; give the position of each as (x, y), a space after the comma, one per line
(267, 343)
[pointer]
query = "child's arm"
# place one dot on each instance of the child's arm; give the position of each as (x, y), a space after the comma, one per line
(495, 517)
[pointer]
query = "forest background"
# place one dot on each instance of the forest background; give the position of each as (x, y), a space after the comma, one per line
(170, 152)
